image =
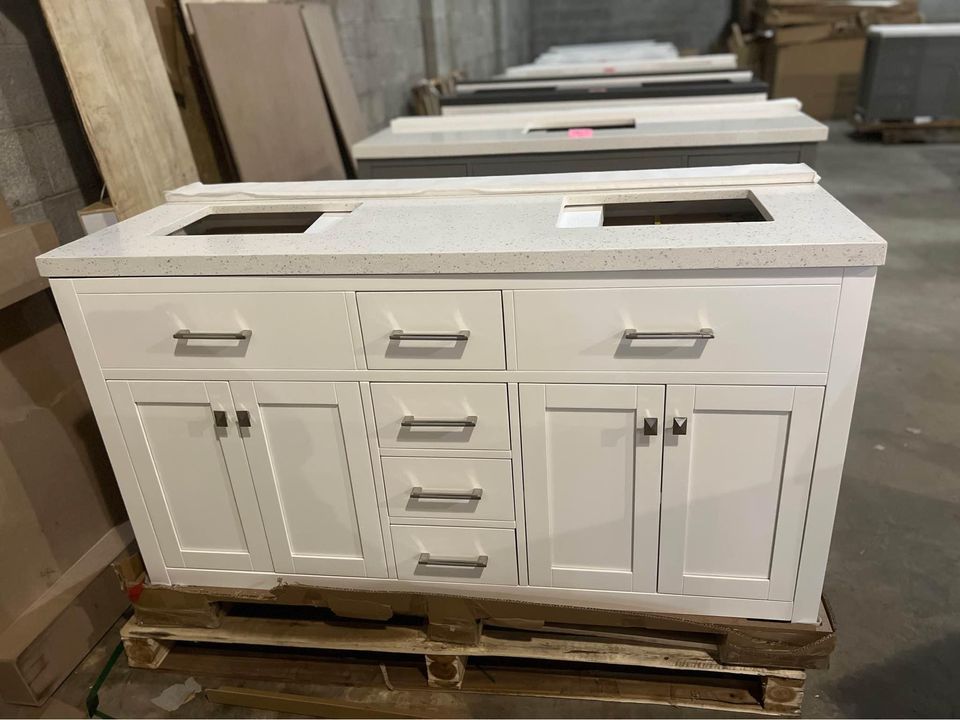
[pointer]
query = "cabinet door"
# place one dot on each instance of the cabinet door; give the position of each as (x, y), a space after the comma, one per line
(193, 473)
(307, 446)
(735, 489)
(591, 485)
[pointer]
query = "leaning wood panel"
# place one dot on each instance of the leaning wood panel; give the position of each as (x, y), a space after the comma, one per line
(322, 31)
(113, 64)
(267, 89)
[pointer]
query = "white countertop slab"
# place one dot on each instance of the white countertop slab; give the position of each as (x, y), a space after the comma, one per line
(660, 133)
(484, 225)
(709, 109)
(693, 63)
(596, 103)
(916, 30)
(603, 81)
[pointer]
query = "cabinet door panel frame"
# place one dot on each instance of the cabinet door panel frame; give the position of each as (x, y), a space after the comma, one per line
(127, 397)
(345, 398)
(803, 406)
(643, 401)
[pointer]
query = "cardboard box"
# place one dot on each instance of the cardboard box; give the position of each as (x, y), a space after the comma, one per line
(97, 216)
(19, 247)
(43, 646)
(823, 74)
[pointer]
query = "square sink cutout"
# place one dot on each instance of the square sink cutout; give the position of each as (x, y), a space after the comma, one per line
(683, 212)
(251, 223)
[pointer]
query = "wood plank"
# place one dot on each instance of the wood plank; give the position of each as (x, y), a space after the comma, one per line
(322, 31)
(297, 704)
(396, 638)
(267, 89)
(200, 120)
(112, 61)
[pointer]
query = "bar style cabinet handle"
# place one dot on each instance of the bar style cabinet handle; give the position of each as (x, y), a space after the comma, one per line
(418, 493)
(411, 421)
(701, 334)
(426, 559)
(185, 334)
(460, 336)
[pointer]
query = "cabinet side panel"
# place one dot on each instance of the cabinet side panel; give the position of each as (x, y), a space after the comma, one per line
(855, 298)
(103, 410)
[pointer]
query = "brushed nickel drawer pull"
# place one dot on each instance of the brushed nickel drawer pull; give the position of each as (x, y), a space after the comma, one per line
(411, 421)
(701, 334)
(191, 335)
(461, 336)
(418, 493)
(426, 559)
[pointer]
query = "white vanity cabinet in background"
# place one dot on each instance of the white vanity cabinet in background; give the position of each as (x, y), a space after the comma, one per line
(553, 388)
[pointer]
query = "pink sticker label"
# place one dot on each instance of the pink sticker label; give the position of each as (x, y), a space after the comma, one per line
(609, 70)
(580, 132)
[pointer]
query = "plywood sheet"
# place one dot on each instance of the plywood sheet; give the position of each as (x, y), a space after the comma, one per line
(322, 30)
(113, 64)
(267, 89)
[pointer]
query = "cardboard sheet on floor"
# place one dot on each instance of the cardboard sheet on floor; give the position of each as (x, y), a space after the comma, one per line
(267, 89)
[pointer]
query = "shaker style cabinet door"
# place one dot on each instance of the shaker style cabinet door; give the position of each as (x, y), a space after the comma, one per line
(591, 473)
(191, 468)
(307, 447)
(737, 465)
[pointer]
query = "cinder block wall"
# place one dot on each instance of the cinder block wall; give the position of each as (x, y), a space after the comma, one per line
(940, 10)
(690, 24)
(389, 45)
(46, 168)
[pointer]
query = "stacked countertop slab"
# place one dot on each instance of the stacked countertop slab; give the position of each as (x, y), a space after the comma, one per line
(780, 121)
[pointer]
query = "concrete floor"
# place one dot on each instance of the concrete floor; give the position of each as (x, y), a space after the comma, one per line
(894, 575)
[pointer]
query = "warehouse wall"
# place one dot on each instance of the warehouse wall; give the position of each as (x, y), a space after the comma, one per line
(690, 24)
(389, 45)
(46, 168)
(940, 10)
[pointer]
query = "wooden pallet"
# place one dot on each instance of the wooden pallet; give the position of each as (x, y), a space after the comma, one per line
(937, 131)
(312, 644)
(459, 620)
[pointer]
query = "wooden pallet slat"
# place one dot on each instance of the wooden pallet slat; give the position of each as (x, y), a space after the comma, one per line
(504, 661)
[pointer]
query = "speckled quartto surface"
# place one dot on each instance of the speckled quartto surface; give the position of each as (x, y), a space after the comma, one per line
(492, 226)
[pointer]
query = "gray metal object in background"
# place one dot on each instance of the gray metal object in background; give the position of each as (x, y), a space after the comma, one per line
(911, 71)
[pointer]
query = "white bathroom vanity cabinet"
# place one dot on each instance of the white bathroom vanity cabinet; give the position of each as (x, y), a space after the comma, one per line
(616, 390)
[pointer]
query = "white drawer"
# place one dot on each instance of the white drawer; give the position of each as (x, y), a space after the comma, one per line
(487, 555)
(785, 328)
(442, 415)
(462, 330)
(454, 488)
(308, 330)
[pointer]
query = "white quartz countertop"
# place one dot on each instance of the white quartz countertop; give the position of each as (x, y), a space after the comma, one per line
(483, 225)
(659, 133)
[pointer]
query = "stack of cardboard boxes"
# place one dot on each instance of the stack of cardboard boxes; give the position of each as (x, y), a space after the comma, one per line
(813, 49)
(61, 518)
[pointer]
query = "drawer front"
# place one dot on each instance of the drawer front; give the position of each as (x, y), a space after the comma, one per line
(419, 330)
(287, 330)
(455, 554)
(454, 488)
(442, 415)
(786, 328)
